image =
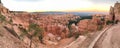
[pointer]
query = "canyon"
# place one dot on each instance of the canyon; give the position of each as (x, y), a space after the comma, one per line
(39, 30)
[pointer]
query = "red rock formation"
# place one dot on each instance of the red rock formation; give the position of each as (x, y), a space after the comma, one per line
(21, 19)
(115, 11)
(90, 25)
(83, 25)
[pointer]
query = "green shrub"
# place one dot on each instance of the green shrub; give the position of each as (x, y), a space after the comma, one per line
(2, 18)
(109, 22)
(24, 31)
(37, 31)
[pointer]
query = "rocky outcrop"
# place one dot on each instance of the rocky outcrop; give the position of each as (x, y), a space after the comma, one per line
(4, 10)
(97, 22)
(115, 11)
(83, 25)
(21, 20)
(87, 25)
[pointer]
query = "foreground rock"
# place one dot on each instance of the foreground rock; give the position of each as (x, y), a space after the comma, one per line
(7, 40)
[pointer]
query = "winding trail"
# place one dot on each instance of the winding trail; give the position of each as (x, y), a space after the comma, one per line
(89, 41)
(107, 38)
(110, 39)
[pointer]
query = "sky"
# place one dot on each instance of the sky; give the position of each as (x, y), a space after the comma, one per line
(59, 5)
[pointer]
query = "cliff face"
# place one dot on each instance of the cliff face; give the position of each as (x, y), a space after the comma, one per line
(7, 39)
(89, 25)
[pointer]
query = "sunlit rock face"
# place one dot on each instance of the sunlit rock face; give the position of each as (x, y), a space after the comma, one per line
(83, 25)
(117, 10)
(21, 20)
(87, 25)
(5, 12)
(90, 25)
(98, 19)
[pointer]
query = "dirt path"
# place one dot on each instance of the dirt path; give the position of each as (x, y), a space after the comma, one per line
(110, 39)
(86, 41)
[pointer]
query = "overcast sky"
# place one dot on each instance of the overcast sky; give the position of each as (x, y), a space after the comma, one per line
(58, 5)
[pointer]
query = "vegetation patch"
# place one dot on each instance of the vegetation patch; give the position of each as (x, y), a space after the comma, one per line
(109, 22)
(2, 18)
